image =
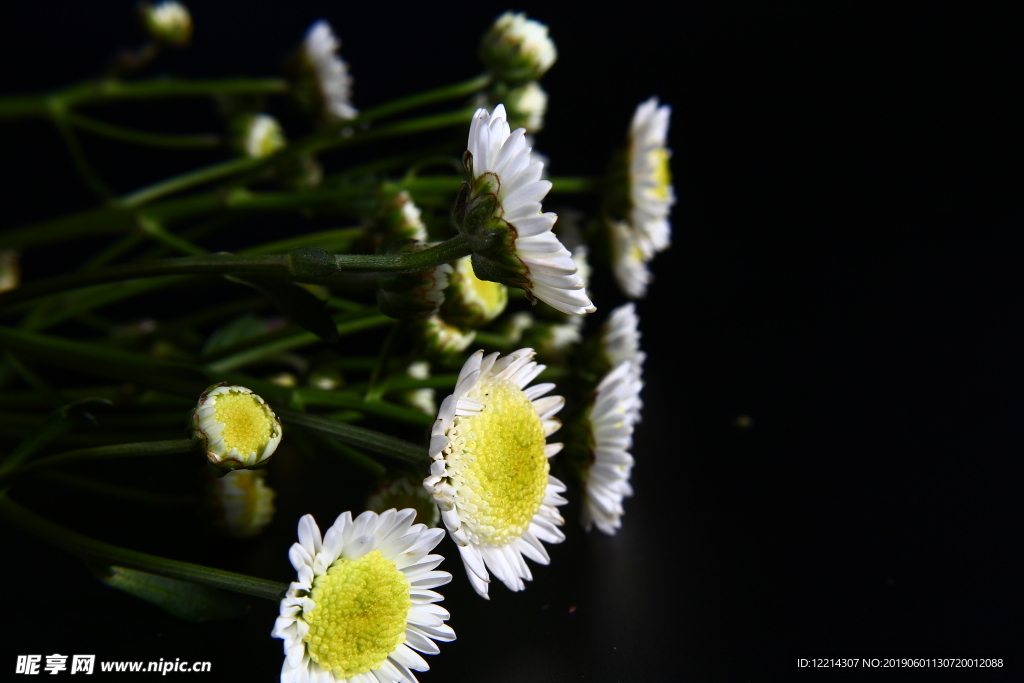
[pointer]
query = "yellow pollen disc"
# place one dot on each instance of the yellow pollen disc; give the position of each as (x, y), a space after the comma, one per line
(498, 464)
(248, 425)
(360, 614)
(662, 173)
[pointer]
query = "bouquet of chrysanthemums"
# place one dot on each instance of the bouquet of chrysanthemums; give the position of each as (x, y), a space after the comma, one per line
(449, 282)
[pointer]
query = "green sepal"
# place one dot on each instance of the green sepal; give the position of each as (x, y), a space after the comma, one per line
(182, 599)
(298, 303)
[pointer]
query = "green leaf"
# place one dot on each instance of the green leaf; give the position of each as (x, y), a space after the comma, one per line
(182, 599)
(298, 303)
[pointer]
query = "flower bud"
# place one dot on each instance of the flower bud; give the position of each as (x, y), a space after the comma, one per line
(235, 428)
(257, 135)
(167, 23)
(517, 49)
(323, 85)
(526, 106)
(470, 302)
(442, 339)
(240, 503)
(401, 494)
(412, 295)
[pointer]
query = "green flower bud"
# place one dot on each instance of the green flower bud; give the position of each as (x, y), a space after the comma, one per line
(517, 49)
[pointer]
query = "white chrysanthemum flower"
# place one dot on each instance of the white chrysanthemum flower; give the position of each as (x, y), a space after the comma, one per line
(499, 210)
(620, 340)
(235, 427)
(261, 136)
(650, 182)
(421, 399)
(335, 84)
(167, 22)
(469, 301)
(242, 502)
(606, 477)
(526, 107)
(405, 493)
(629, 261)
(517, 49)
(362, 604)
(490, 475)
(444, 339)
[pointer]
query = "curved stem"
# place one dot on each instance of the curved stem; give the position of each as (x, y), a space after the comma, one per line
(142, 137)
(110, 90)
(360, 437)
(124, 450)
(86, 547)
(448, 92)
(310, 265)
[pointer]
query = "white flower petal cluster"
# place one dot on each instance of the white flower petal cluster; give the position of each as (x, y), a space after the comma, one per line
(606, 480)
(490, 475)
(263, 136)
(242, 501)
(518, 49)
(650, 185)
(235, 427)
(320, 48)
(369, 573)
(168, 22)
(620, 340)
(502, 157)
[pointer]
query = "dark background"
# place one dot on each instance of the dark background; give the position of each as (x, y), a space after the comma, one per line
(844, 271)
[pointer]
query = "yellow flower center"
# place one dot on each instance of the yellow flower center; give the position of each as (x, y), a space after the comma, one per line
(360, 614)
(498, 464)
(662, 174)
(248, 425)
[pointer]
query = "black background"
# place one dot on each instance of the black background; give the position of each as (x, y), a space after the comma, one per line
(844, 271)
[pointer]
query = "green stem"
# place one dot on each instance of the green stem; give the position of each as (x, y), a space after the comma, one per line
(448, 92)
(125, 493)
(300, 265)
(291, 341)
(86, 547)
(184, 181)
(111, 90)
(328, 240)
(142, 137)
(340, 399)
(360, 437)
(125, 450)
(82, 165)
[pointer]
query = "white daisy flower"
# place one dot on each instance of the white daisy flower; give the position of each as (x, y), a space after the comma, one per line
(235, 427)
(517, 49)
(606, 477)
(499, 210)
(526, 107)
(629, 260)
(320, 49)
(167, 22)
(405, 493)
(241, 501)
(620, 340)
(362, 604)
(260, 135)
(650, 181)
(469, 301)
(490, 472)
(444, 339)
(421, 399)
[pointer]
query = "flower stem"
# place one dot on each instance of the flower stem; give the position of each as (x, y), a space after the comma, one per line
(448, 92)
(111, 90)
(310, 266)
(124, 450)
(142, 137)
(90, 548)
(360, 437)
